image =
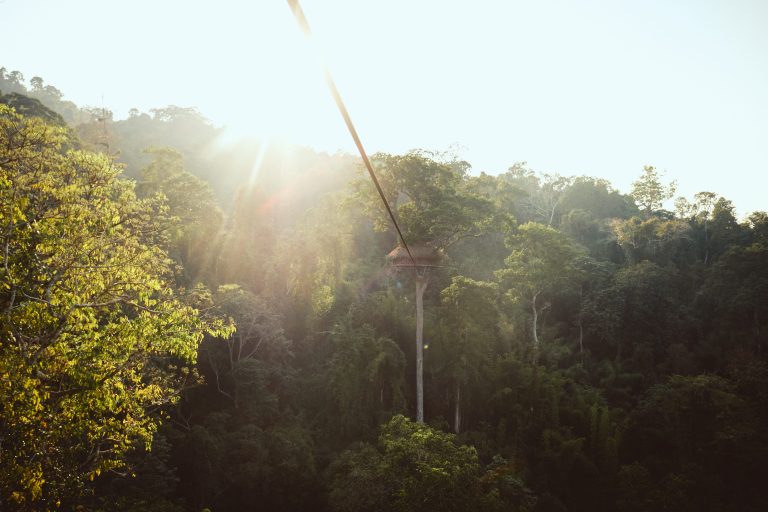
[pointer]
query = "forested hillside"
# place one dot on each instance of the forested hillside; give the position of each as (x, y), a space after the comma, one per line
(193, 325)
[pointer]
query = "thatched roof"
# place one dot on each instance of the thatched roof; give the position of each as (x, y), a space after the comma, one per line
(423, 254)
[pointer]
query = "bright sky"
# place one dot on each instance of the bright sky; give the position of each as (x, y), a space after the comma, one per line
(570, 86)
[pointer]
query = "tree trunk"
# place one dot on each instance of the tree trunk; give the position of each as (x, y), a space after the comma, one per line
(706, 241)
(535, 332)
(457, 410)
(421, 285)
(581, 323)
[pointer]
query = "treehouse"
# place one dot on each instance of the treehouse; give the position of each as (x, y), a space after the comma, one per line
(424, 257)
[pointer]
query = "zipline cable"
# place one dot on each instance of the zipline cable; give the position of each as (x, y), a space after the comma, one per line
(298, 13)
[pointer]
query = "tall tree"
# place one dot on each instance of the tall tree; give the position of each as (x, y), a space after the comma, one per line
(436, 210)
(90, 324)
(542, 263)
(365, 379)
(649, 192)
(470, 321)
(695, 445)
(191, 217)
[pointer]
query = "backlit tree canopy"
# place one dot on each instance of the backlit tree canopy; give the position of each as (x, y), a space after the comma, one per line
(89, 324)
(590, 349)
(431, 199)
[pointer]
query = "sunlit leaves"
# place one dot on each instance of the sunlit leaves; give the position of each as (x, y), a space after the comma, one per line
(653, 238)
(430, 198)
(649, 193)
(89, 322)
(542, 259)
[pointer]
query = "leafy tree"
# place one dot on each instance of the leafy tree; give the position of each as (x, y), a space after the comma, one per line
(701, 213)
(37, 83)
(558, 431)
(542, 263)
(470, 322)
(725, 229)
(545, 202)
(90, 325)
(758, 223)
(237, 439)
(636, 316)
(598, 197)
(146, 484)
(649, 193)
(232, 460)
(192, 218)
(731, 303)
(30, 107)
(429, 196)
(695, 440)
(258, 341)
(618, 419)
(365, 379)
(49, 95)
(413, 468)
(654, 239)
(249, 244)
(182, 129)
(12, 82)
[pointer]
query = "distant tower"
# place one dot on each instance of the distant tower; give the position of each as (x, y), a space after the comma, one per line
(103, 136)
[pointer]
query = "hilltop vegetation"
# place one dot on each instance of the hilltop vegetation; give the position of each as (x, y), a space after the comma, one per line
(188, 326)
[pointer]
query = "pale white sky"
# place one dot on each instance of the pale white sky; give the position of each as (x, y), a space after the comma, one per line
(570, 86)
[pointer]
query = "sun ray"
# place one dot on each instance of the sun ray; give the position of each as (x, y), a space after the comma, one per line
(256, 168)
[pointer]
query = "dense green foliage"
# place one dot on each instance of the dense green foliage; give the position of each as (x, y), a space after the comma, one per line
(90, 326)
(590, 350)
(418, 468)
